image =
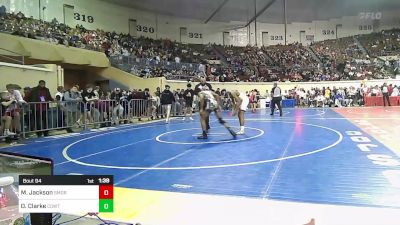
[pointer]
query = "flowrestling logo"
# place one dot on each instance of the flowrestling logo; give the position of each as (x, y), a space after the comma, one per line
(370, 15)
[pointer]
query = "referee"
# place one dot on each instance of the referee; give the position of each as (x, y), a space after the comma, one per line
(385, 93)
(276, 99)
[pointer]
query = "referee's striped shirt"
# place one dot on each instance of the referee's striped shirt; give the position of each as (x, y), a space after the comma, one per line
(276, 92)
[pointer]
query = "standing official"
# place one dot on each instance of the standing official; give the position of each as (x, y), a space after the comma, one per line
(385, 93)
(276, 93)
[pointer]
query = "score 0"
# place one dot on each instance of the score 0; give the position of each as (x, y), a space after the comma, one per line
(106, 195)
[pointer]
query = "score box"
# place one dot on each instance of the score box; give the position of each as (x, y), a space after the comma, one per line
(106, 195)
(66, 194)
(106, 192)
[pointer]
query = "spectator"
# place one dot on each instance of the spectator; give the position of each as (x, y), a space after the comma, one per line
(328, 94)
(395, 91)
(3, 11)
(188, 96)
(59, 97)
(137, 97)
(321, 100)
(41, 97)
(375, 91)
(118, 110)
(383, 43)
(167, 98)
(7, 107)
(27, 93)
(158, 58)
(338, 99)
(218, 92)
(253, 100)
(390, 89)
(177, 106)
(87, 108)
(155, 105)
(29, 118)
(148, 108)
(14, 90)
(97, 91)
(71, 101)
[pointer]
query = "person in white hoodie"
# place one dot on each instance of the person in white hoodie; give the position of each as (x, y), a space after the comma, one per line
(7, 102)
(15, 95)
(395, 91)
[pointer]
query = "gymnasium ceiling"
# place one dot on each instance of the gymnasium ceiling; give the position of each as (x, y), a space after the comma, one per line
(243, 10)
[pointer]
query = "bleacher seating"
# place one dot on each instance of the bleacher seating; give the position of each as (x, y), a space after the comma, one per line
(383, 43)
(154, 58)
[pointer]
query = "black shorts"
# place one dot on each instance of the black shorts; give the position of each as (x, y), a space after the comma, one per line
(189, 103)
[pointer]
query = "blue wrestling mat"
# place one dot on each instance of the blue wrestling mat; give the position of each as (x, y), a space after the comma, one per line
(308, 155)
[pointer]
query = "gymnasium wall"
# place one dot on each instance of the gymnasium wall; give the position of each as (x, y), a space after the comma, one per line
(40, 50)
(29, 76)
(123, 79)
(95, 14)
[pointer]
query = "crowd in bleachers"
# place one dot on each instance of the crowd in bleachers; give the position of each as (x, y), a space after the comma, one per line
(326, 97)
(153, 58)
(337, 97)
(111, 43)
(386, 42)
(336, 51)
(292, 55)
(344, 57)
(252, 60)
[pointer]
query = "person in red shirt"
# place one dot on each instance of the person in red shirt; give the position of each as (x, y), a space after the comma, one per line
(3, 198)
(253, 100)
(390, 89)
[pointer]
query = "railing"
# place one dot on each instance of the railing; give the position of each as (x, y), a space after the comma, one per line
(42, 117)
(179, 77)
(22, 61)
(130, 63)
